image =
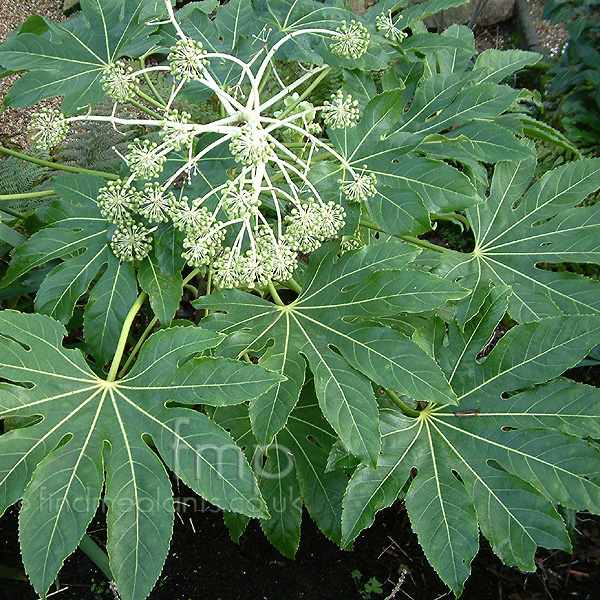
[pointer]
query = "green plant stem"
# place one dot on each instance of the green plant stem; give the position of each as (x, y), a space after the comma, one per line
(150, 99)
(306, 93)
(133, 311)
(147, 110)
(274, 294)
(27, 196)
(407, 238)
(294, 285)
(407, 410)
(96, 554)
(150, 84)
(191, 288)
(452, 217)
(57, 166)
(13, 213)
(137, 347)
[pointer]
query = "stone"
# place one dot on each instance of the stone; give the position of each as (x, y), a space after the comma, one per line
(494, 12)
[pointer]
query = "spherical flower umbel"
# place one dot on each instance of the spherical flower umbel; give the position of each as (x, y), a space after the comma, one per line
(361, 188)
(250, 146)
(238, 201)
(201, 248)
(156, 204)
(131, 242)
(278, 258)
(193, 220)
(187, 59)
(50, 127)
(118, 83)
(175, 132)
(385, 24)
(340, 112)
(117, 200)
(143, 160)
(350, 40)
(311, 223)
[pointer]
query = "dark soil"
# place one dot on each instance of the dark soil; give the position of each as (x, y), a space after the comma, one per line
(204, 564)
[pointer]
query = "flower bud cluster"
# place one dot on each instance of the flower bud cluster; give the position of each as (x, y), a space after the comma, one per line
(50, 127)
(203, 245)
(239, 202)
(175, 132)
(155, 204)
(310, 223)
(193, 218)
(131, 242)
(250, 146)
(143, 160)
(351, 40)
(118, 82)
(117, 200)
(385, 24)
(187, 59)
(361, 188)
(341, 112)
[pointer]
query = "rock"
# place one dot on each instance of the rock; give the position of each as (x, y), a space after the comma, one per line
(360, 7)
(70, 6)
(494, 11)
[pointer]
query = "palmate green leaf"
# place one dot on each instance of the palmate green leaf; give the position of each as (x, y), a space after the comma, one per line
(69, 59)
(87, 426)
(498, 463)
(163, 290)
(77, 233)
(361, 284)
(520, 227)
(295, 472)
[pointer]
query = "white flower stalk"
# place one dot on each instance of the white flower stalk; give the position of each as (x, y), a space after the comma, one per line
(341, 112)
(155, 204)
(131, 242)
(50, 128)
(385, 24)
(117, 200)
(143, 160)
(118, 82)
(351, 40)
(361, 188)
(188, 60)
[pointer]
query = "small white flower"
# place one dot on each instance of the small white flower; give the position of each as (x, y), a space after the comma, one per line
(118, 83)
(250, 146)
(155, 204)
(143, 161)
(187, 58)
(238, 201)
(175, 133)
(131, 242)
(361, 188)
(50, 127)
(340, 112)
(385, 24)
(116, 201)
(350, 40)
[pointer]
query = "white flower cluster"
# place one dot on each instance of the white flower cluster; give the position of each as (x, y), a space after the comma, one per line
(341, 112)
(351, 40)
(311, 223)
(187, 59)
(131, 242)
(118, 81)
(50, 128)
(175, 133)
(360, 188)
(385, 24)
(143, 160)
(250, 145)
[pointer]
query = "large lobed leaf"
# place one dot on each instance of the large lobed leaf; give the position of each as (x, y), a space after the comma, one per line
(520, 227)
(85, 426)
(344, 353)
(503, 459)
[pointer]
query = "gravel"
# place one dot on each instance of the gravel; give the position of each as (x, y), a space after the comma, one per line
(13, 122)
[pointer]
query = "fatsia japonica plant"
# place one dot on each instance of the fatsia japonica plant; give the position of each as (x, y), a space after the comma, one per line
(288, 157)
